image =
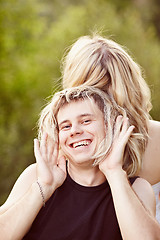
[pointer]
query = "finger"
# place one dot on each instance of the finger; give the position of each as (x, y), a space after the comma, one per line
(118, 125)
(62, 163)
(43, 145)
(43, 139)
(50, 148)
(37, 153)
(41, 165)
(125, 125)
(55, 153)
(128, 134)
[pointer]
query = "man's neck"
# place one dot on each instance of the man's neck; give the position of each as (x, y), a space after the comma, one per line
(86, 176)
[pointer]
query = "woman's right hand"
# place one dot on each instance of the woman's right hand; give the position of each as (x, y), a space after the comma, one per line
(51, 170)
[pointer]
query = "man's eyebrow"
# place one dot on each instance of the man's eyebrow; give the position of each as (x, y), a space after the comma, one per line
(65, 121)
(79, 116)
(86, 114)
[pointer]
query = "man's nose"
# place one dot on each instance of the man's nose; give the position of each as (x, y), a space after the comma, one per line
(76, 129)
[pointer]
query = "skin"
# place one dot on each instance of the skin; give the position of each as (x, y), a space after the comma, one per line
(136, 203)
(151, 159)
(83, 125)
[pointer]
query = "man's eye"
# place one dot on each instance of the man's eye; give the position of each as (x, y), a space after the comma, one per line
(65, 127)
(86, 121)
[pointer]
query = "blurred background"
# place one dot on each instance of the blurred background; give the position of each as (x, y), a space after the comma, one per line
(34, 35)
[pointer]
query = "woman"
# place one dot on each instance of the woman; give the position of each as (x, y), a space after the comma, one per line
(102, 63)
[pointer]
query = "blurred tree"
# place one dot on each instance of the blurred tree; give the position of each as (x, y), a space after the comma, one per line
(151, 13)
(24, 84)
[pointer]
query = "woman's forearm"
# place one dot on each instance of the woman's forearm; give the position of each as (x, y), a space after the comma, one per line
(16, 220)
(134, 219)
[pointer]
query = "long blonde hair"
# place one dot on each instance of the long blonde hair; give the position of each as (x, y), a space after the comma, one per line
(103, 63)
(110, 110)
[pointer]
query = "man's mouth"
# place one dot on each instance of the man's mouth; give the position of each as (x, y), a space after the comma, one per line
(81, 143)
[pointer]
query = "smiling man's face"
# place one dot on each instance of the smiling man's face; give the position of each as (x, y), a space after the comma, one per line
(81, 130)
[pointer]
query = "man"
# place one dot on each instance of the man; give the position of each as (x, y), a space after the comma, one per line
(92, 197)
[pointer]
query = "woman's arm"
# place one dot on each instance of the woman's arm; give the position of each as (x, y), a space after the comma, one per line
(21, 186)
(25, 200)
(16, 219)
(135, 207)
(151, 158)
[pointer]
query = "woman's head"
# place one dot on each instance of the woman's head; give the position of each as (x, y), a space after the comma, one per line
(48, 121)
(103, 63)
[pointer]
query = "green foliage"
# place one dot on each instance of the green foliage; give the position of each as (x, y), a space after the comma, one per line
(34, 37)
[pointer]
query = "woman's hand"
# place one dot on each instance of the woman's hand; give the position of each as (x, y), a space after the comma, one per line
(114, 159)
(51, 170)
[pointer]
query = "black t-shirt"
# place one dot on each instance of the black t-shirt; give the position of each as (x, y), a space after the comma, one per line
(76, 212)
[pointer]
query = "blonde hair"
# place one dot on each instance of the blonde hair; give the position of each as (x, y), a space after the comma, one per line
(110, 110)
(103, 63)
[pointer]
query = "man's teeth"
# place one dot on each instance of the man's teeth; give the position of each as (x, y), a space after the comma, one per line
(82, 143)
